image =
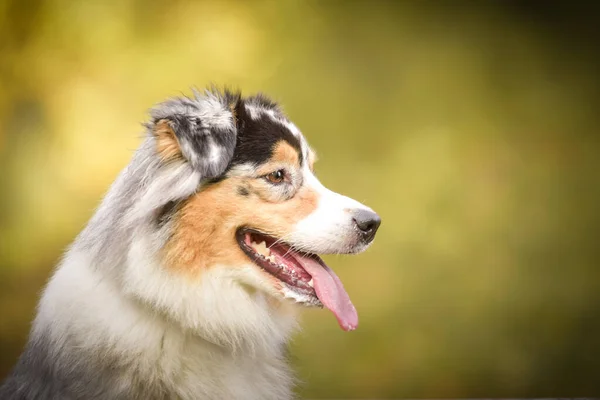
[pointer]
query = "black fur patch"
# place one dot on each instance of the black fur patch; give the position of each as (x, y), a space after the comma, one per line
(200, 135)
(263, 101)
(257, 138)
(167, 212)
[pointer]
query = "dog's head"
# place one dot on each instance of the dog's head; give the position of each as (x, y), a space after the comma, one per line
(246, 200)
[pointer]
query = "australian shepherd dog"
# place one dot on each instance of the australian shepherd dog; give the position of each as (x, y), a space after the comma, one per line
(186, 282)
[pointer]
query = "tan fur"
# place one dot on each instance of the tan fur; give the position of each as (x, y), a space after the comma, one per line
(312, 159)
(172, 307)
(233, 113)
(167, 145)
(205, 229)
(284, 152)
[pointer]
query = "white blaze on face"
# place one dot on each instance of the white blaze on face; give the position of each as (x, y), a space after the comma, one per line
(330, 228)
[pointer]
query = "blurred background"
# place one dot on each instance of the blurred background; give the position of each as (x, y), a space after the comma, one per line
(471, 127)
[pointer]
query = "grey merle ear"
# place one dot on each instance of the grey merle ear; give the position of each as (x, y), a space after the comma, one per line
(201, 130)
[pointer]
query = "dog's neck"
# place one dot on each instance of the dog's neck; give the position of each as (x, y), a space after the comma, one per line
(87, 324)
(114, 323)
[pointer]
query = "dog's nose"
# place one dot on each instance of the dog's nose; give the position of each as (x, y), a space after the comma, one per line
(367, 223)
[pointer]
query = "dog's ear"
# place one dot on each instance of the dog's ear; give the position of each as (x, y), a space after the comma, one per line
(200, 130)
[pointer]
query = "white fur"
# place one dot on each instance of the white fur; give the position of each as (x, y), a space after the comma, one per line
(215, 152)
(253, 111)
(215, 305)
(81, 302)
(293, 128)
(214, 114)
(325, 229)
(172, 183)
(219, 334)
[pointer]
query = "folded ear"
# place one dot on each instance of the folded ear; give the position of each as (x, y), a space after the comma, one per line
(201, 130)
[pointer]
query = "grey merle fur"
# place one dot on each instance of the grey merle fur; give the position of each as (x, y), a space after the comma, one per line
(141, 200)
(199, 134)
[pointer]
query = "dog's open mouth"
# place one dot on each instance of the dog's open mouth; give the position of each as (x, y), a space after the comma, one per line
(305, 275)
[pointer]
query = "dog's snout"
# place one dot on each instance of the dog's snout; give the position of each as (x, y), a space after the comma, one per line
(367, 223)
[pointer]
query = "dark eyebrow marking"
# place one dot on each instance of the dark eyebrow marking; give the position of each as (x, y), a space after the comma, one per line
(242, 191)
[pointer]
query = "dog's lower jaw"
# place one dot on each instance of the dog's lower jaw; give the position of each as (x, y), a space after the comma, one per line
(102, 344)
(214, 304)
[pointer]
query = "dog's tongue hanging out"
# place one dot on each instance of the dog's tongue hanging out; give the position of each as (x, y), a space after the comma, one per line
(330, 291)
(305, 271)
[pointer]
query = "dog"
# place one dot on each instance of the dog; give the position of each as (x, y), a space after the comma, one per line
(185, 283)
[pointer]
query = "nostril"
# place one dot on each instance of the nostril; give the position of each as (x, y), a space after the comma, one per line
(365, 225)
(367, 221)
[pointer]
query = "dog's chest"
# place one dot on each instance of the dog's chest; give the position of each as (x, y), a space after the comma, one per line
(195, 369)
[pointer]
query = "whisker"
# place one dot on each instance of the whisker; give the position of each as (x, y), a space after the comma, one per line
(280, 240)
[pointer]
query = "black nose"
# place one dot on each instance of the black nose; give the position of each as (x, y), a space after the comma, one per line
(367, 223)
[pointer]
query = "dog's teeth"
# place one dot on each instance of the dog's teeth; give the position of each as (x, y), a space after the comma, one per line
(261, 249)
(311, 283)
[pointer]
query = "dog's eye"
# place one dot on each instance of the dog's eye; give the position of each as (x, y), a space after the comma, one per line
(276, 176)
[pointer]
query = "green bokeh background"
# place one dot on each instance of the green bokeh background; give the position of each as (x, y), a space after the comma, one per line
(471, 127)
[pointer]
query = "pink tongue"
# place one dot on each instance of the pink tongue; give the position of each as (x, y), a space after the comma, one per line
(331, 292)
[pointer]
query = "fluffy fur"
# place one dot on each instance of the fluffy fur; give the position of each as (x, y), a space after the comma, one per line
(155, 299)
